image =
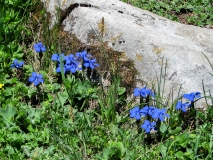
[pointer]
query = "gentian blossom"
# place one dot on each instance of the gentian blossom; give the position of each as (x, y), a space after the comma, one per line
(91, 63)
(36, 78)
(17, 64)
(147, 111)
(72, 67)
(68, 68)
(159, 113)
(70, 59)
(39, 47)
(148, 126)
(58, 69)
(182, 106)
(143, 92)
(56, 57)
(135, 113)
(87, 59)
(71, 62)
(192, 96)
(83, 55)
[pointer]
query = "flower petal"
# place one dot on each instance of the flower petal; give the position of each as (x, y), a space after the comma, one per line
(31, 79)
(36, 82)
(136, 92)
(34, 74)
(54, 57)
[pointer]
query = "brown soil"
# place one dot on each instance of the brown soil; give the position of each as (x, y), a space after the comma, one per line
(182, 18)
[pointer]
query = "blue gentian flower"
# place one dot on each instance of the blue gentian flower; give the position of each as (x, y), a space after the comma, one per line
(36, 78)
(71, 62)
(58, 69)
(17, 64)
(83, 55)
(182, 106)
(147, 110)
(135, 113)
(71, 67)
(68, 68)
(56, 57)
(70, 59)
(160, 113)
(143, 92)
(148, 126)
(90, 63)
(39, 47)
(65, 66)
(192, 96)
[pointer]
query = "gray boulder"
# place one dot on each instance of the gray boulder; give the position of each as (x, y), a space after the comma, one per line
(143, 37)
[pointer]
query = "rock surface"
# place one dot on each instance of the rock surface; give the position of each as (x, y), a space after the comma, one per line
(143, 37)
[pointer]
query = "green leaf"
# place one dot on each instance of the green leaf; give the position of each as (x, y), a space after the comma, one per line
(18, 55)
(8, 92)
(63, 97)
(179, 155)
(9, 149)
(50, 97)
(163, 150)
(121, 90)
(189, 6)
(11, 2)
(34, 115)
(121, 147)
(106, 153)
(7, 114)
(175, 131)
(163, 128)
(32, 91)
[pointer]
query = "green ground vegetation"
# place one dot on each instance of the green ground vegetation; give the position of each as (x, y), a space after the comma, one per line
(194, 12)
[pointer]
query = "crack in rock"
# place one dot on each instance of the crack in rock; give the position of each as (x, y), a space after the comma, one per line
(68, 10)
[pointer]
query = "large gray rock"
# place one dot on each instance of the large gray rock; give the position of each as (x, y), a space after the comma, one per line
(144, 37)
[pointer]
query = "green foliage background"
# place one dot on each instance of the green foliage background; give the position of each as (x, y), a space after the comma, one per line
(201, 10)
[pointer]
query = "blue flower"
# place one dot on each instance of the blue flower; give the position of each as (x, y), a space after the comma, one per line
(192, 96)
(147, 110)
(36, 78)
(17, 64)
(68, 68)
(39, 47)
(159, 113)
(135, 113)
(71, 64)
(58, 69)
(72, 67)
(83, 55)
(70, 59)
(90, 63)
(182, 106)
(148, 126)
(56, 57)
(143, 92)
